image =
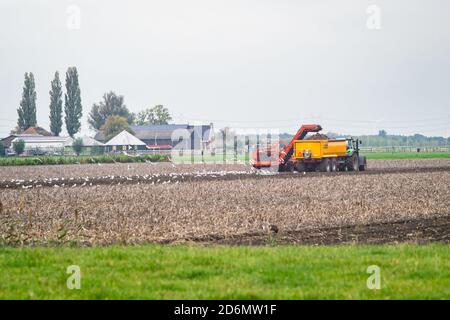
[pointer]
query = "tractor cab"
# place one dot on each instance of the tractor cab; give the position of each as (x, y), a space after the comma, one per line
(354, 152)
(351, 146)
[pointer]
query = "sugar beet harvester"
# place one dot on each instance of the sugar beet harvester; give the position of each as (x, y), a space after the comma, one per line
(311, 155)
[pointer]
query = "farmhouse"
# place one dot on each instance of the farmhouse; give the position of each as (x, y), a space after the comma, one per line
(7, 141)
(91, 142)
(38, 143)
(157, 135)
(125, 141)
(167, 136)
(90, 146)
(30, 132)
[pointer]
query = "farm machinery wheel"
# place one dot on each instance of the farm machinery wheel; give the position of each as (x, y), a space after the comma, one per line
(362, 163)
(325, 165)
(300, 166)
(334, 165)
(353, 163)
(288, 167)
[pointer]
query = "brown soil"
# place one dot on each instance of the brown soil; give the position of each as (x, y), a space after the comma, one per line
(198, 176)
(325, 209)
(421, 231)
(317, 136)
(394, 201)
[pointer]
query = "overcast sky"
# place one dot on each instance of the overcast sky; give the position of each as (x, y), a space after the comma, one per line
(244, 63)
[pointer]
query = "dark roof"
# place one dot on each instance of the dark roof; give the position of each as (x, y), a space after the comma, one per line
(99, 136)
(205, 130)
(160, 131)
(8, 140)
(160, 127)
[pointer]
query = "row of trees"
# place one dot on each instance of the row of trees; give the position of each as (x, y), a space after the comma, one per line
(72, 104)
(113, 105)
(385, 139)
(109, 115)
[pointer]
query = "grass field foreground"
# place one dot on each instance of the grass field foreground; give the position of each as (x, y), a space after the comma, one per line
(219, 272)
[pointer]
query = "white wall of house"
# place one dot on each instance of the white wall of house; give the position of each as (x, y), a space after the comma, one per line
(50, 143)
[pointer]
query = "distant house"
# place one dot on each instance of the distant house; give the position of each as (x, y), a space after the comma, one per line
(164, 134)
(91, 142)
(35, 144)
(168, 136)
(125, 141)
(7, 142)
(29, 133)
(90, 146)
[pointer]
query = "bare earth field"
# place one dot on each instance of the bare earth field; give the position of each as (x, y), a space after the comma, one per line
(117, 169)
(132, 169)
(386, 206)
(163, 173)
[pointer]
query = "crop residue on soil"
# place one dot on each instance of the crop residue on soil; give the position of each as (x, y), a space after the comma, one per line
(226, 209)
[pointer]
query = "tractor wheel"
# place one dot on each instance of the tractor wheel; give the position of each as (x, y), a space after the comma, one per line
(362, 163)
(288, 167)
(325, 165)
(334, 166)
(300, 166)
(353, 163)
(349, 165)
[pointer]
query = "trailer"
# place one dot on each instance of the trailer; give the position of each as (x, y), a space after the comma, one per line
(328, 155)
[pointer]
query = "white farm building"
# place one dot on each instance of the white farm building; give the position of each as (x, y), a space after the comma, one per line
(125, 141)
(35, 143)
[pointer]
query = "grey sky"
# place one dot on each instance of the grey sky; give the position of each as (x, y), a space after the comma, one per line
(246, 63)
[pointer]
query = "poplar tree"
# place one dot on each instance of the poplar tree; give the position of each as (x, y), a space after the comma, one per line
(56, 106)
(27, 109)
(72, 107)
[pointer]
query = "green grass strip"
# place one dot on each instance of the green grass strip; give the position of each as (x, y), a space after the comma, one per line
(221, 272)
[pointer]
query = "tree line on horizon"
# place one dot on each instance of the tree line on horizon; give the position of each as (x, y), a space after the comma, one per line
(384, 139)
(109, 116)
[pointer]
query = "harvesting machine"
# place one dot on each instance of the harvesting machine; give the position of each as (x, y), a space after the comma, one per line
(311, 154)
